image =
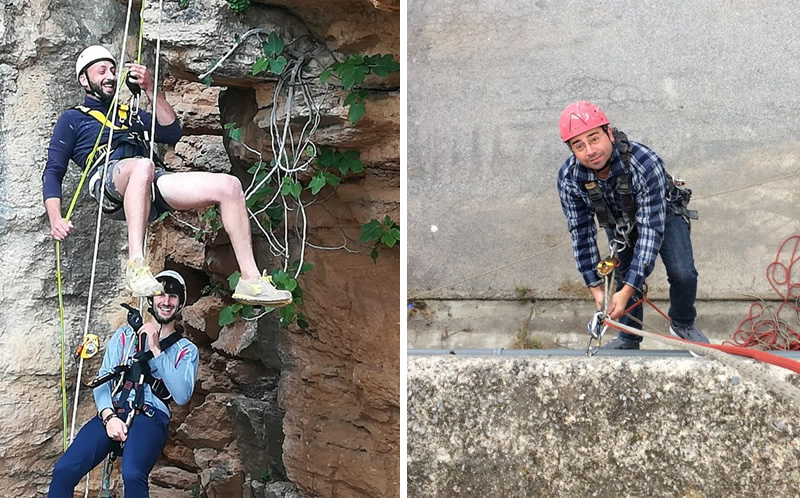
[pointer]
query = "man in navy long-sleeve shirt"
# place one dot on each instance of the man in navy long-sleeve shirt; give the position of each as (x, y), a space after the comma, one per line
(658, 225)
(137, 191)
(175, 367)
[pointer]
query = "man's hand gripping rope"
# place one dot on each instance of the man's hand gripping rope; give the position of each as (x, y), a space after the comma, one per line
(596, 327)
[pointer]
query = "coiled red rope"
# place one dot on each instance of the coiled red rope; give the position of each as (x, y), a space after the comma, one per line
(766, 327)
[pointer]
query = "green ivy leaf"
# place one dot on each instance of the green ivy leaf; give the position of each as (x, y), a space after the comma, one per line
(277, 65)
(302, 322)
(356, 111)
(233, 132)
(275, 214)
(288, 314)
(228, 314)
(273, 46)
(371, 231)
(325, 75)
(207, 81)
(256, 166)
(356, 96)
(374, 255)
(391, 237)
(233, 279)
(317, 183)
(327, 158)
(352, 74)
(331, 179)
(296, 190)
(351, 161)
(261, 64)
(382, 65)
(281, 279)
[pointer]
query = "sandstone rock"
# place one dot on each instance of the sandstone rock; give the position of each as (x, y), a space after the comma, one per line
(159, 492)
(281, 490)
(176, 247)
(239, 339)
(204, 457)
(225, 477)
(196, 106)
(208, 425)
(173, 477)
(179, 454)
(199, 153)
(210, 379)
(206, 29)
(203, 315)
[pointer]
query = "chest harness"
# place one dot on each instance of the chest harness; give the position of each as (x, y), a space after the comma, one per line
(625, 224)
(126, 135)
(134, 373)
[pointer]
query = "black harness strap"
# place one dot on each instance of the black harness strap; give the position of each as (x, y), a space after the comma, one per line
(605, 218)
(136, 374)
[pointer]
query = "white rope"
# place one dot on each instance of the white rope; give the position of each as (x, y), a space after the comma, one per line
(776, 385)
(115, 107)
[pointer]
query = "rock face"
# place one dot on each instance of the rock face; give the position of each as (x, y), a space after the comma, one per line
(317, 407)
(601, 426)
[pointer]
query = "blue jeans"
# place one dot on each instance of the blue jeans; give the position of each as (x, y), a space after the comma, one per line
(676, 253)
(146, 438)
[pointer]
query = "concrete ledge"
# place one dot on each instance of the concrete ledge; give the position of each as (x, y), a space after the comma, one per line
(474, 324)
(602, 426)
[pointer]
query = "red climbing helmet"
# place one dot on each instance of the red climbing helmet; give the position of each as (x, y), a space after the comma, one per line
(580, 117)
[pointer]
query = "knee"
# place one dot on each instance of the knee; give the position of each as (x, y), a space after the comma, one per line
(65, 474)
(682, 275)
(142, 170)
(231, 187)
(132, 475)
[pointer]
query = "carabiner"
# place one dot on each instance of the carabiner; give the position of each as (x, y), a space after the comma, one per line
(596, 328)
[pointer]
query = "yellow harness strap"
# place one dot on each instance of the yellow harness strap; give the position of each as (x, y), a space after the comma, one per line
(122, 112)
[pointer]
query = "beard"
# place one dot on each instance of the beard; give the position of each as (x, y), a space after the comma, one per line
(163, 320)
(104, 95)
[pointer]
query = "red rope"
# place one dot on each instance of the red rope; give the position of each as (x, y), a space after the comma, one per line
(764, 327)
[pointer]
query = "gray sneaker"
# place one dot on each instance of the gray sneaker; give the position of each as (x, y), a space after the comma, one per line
(620, 343)
(689, 333)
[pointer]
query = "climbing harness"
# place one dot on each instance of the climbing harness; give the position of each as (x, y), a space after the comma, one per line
(623, 226)
(134, 372)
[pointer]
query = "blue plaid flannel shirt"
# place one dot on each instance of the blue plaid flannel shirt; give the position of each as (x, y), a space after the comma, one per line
(649, 185)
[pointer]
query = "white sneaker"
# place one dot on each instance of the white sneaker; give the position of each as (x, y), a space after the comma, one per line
(140, 281)
(260, 292)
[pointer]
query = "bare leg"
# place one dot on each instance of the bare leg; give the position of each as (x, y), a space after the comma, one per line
(133, 179)
(192, 190)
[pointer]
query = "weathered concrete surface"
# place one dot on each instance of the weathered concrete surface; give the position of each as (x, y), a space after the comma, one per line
(473, 324)
(606, 427)
(488, 80)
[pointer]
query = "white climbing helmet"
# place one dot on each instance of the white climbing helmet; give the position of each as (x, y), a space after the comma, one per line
(90, 55)
(169, 278)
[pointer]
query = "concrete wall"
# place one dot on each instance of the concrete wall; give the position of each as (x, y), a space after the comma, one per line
(603, 426)
(711, 86)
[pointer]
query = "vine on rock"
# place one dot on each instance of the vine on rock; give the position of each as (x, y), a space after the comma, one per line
(281, 188)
